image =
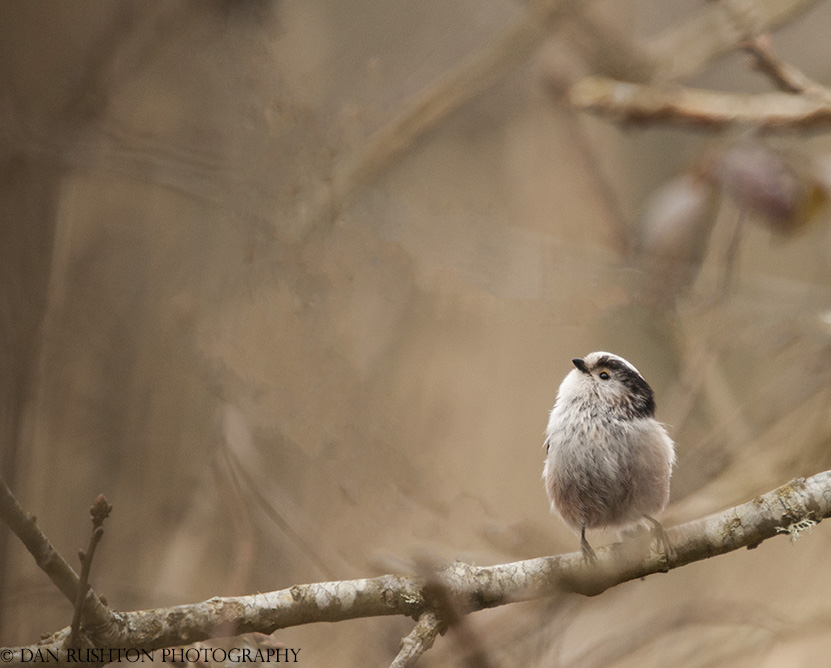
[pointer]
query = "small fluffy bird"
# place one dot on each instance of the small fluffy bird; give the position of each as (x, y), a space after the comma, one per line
(608, 460)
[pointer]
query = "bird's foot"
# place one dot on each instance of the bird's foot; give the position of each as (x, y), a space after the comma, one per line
(661, 538)
(588, 553)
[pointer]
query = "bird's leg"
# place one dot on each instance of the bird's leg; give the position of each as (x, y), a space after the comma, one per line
(585, 548)
(661, 539)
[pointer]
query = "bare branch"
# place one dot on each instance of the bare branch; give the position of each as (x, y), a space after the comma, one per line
(637, 103)
(719, 27)
(790, 509)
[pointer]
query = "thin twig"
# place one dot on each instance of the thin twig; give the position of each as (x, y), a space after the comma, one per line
(678, 105)
(98, 512)
(686, 48)
(788, 78)
(50, 561)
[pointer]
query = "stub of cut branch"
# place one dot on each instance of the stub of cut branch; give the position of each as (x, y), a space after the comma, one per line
(639, 103)
(419, 640)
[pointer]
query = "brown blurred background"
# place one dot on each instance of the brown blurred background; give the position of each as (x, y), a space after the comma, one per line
(269, 395)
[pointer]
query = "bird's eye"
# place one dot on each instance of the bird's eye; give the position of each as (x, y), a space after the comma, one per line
(604, 375)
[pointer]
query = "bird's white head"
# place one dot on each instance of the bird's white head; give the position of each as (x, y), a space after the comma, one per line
(608, 381)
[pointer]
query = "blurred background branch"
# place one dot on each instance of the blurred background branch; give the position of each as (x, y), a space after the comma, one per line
(636, 103)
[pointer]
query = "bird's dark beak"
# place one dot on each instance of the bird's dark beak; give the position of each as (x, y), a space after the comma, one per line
(580, 364)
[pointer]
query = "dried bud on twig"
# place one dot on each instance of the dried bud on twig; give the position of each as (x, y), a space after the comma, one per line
(99, 510)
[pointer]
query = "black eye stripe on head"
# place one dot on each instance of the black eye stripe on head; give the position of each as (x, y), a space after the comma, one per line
(642, 402)
(613, 365)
